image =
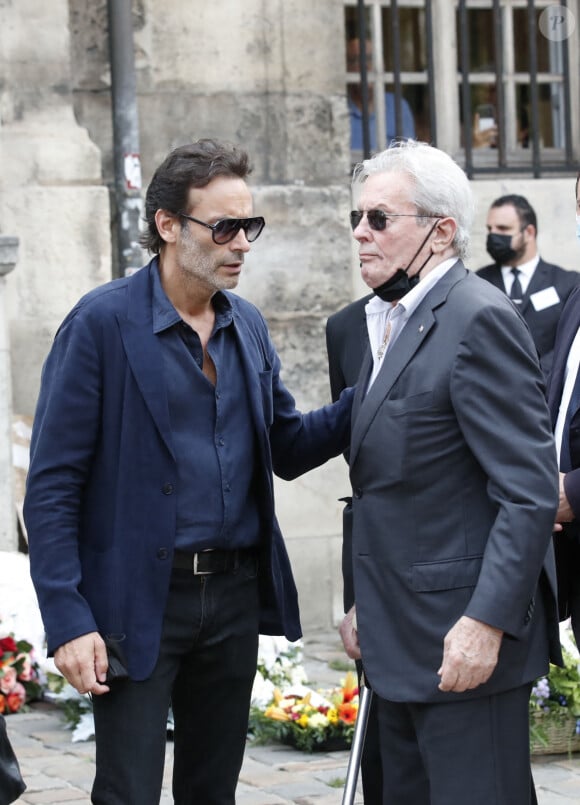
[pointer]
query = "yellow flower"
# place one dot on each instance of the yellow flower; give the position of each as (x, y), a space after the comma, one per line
(302, 721)
(332, 716)
(276, 713)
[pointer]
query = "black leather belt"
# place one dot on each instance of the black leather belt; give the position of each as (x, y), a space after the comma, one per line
(213, 561)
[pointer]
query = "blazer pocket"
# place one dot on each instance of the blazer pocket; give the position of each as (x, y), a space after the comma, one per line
(402, 406)
(451, 574)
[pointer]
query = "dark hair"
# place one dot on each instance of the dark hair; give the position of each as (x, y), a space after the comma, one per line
(576, 188)
(192, 165)
(523, 208)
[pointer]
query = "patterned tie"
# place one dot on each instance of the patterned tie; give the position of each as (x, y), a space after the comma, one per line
(516, 292)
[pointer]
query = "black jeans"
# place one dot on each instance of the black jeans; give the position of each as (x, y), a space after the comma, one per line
(206, 667)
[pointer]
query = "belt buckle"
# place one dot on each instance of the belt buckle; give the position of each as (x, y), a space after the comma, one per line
(197, 572)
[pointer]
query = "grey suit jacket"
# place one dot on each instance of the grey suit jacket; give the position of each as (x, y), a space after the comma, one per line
(455, 488)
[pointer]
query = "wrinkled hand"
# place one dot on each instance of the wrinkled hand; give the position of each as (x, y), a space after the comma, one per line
(470, 652)
(349, 634)
(564, 513)
(83, 662)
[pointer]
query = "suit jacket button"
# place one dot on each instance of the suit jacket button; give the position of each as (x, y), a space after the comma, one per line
(162, 553)
(167, 489)
(358, 493)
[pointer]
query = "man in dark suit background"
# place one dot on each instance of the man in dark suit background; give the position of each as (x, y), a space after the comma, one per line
(454, 495)
(538, 289)
(564, 402)
(347, 343)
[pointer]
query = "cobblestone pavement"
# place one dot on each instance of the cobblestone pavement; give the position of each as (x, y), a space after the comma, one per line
(59, 772)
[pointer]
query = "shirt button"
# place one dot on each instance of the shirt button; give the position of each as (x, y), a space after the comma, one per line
(227, 488)
(358, 493)
(221, 442)
(162, 553)
(167, 489)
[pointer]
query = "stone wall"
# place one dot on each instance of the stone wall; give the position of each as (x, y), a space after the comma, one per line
(51, 192)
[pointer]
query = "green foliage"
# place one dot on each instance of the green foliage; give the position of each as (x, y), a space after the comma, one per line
(555, 702)
(341, 665)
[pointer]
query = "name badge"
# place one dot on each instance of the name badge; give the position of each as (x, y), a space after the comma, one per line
(546, 298)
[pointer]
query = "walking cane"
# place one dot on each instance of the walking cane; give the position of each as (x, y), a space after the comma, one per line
(358, 740)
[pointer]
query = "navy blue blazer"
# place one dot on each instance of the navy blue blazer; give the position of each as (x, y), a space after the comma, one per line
(566, 562)
(542, 323)
(100, 507)
(567, 329)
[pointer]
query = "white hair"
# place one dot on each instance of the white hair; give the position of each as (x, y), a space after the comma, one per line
(441, 188)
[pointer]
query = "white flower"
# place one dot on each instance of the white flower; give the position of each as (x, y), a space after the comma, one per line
(317, 720)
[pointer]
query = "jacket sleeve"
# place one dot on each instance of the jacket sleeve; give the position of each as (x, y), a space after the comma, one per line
(64, 431)
(298, 442)
(498, 395)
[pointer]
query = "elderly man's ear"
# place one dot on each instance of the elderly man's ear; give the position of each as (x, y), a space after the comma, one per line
(443, 235)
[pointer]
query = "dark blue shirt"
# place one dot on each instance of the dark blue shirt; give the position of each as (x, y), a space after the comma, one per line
(213, 433)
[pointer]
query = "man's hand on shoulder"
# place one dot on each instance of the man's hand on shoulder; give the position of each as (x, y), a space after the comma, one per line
(83, 662)
(470, 652)
(349, 634)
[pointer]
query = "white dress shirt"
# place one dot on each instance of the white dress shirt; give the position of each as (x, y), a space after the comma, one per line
(380, 313)
(572, 365)
(526, 273)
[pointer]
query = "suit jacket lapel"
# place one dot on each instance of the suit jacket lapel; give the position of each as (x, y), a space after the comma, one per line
(556, 386)
(414, 332)
(537, 283)
(496, 278)
(253, 364)
(143, 350)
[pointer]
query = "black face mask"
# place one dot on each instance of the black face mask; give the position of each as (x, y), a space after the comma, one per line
(499, 248)
(397, 286)
(400, 283)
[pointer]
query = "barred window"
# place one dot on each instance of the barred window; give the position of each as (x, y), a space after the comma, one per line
(493, 82)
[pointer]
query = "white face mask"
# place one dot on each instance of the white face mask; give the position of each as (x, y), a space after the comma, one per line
(578, 226)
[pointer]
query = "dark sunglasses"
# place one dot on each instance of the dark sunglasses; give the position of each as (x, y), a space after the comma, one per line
(227, 229)
(378, 219)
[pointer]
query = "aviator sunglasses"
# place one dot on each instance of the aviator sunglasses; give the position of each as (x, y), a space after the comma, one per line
(378, 219)
(225, 230)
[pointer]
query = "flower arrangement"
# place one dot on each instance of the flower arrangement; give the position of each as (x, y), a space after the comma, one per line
(555, 707)
(20, 678)
(307, 719)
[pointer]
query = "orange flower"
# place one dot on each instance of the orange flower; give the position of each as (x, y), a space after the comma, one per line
(347, 713)
(350, 688)
(2, 703)
(14, 701)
